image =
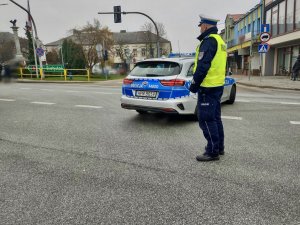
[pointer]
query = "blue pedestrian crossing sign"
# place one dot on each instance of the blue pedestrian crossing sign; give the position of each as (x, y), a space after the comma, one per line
(265, 28)
(40, 52)
(263, 48)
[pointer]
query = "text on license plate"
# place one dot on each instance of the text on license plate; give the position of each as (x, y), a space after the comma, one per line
(147, 94)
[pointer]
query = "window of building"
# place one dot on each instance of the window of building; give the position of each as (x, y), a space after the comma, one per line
(295, 54)
(290, 15)
(249, 28)
(297, 14)
(134, 52)
(281, 20)
(143, 52)
(268, 17)
(258, 26)
(274, 20)
(287, 61)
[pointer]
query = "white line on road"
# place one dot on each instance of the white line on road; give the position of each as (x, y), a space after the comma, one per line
(26, 88)
(231, 117)
(89, 106)
(289, 103)
(106, 93)
(46, 89)
(7, 100)
(295, 122)
(70, 91)
(242, 100)
(43, 103)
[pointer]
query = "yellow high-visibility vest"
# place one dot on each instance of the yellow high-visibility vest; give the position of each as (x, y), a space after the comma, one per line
(216, 74)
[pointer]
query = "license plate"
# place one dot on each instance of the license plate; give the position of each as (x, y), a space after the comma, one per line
(146, 94)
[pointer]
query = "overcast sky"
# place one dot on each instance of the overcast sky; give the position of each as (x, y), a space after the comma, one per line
(54, 18)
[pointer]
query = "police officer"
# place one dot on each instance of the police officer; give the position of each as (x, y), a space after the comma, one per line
(208, 81)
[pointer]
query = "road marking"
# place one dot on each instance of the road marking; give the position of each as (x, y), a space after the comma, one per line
(289, 103)
(43, 103)
(26, 88)
(46, 89)
(231, 117)
(89, 106)
(69, 91)
(106, 93)
(7, 100)
(295, 122)
(242, 100)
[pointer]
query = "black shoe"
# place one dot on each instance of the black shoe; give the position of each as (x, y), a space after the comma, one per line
(221, 152)
(206, 158)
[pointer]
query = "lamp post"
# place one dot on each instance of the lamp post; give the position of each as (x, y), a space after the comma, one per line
(36, 35)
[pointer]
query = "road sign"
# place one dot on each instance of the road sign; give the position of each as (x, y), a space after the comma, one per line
(265, 28)
(40, 52)
(263, 48)
(265, 37)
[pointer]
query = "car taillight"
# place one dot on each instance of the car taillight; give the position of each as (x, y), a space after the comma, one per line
(127, 81)
(174, 82)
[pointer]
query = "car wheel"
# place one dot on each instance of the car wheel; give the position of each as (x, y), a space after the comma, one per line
(141, 111)
(232, 95)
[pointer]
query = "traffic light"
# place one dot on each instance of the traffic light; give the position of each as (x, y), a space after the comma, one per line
(117, 14)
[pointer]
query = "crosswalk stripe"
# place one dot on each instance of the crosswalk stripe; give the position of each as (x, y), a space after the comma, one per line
(89, 106)
(295, 122)
(43, 103)
(231, 117)
(7, 100)
(289, 103)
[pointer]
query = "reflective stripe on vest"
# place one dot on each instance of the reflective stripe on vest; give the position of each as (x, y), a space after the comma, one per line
(216, 74)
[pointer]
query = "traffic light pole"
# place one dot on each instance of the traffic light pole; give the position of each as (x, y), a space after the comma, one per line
(157, 33)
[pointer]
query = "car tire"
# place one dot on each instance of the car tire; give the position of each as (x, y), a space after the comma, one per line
(141, 111)
(232, 95)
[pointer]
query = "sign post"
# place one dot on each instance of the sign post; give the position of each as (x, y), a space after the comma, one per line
(264, 47)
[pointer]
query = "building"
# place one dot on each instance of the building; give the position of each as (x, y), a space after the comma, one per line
(129, 47)
(242, 38)
(284, 19)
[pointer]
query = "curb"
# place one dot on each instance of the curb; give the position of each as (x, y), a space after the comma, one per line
(270, 87)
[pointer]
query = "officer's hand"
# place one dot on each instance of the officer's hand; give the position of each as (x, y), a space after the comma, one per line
(193, 87)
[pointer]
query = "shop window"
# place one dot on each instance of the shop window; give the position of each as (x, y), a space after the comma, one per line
(274, 20)
(295, 54)
(281, 21)
(290, 15)
(297, 14)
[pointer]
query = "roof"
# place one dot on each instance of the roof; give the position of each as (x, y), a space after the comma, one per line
(138, 37)
(235, 17)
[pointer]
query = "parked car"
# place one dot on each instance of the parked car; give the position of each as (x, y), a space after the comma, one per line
(162, 85)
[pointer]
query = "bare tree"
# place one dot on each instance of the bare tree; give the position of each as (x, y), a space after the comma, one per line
(89, 37)
(149, 38)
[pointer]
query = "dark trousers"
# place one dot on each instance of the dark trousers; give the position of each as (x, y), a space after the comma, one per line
(209, 114)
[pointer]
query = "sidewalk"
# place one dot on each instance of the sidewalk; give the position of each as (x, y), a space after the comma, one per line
(276, 82)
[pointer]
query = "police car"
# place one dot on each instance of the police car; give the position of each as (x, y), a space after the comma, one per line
(162, 85)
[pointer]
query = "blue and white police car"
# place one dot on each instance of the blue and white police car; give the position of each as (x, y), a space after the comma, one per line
(162, 85)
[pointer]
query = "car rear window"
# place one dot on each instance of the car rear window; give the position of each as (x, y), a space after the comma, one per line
(156, 69)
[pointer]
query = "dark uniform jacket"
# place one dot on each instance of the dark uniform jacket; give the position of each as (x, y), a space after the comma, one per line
(208, 50)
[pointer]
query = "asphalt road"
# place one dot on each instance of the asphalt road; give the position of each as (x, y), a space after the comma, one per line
(70, 155)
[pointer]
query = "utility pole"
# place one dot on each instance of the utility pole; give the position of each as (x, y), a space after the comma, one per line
(118, 18)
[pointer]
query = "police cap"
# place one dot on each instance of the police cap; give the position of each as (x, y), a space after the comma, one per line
(207, 20)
